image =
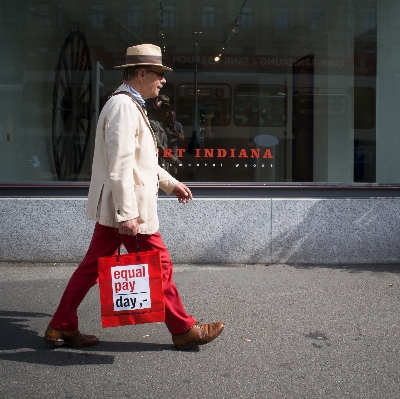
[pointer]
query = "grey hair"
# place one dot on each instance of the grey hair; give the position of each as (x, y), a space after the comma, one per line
(131, 72)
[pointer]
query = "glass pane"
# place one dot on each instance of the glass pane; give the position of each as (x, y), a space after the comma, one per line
(272, 92)
(260, 105)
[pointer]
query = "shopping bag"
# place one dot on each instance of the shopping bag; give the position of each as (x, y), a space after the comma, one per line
(131, 289)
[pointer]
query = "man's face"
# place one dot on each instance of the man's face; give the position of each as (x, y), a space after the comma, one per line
(153, 81)
(170, 116)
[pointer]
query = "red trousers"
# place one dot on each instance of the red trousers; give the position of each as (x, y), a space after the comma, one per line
(105, 243)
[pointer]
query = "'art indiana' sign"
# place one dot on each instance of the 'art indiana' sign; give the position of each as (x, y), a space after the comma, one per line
(220, 153)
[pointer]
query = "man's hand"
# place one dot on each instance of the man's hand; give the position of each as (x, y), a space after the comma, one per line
(182, 193)
(129, 227)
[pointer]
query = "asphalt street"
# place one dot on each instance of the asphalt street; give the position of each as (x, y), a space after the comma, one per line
(291, 331)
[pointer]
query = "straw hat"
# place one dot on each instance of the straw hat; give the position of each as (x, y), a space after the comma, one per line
(144, 54)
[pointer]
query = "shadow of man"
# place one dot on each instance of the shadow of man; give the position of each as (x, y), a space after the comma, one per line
(20, 344)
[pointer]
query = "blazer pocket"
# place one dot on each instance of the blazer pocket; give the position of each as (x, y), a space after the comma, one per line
(143, 201)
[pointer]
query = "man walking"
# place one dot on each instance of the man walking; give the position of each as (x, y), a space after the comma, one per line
(123, 200)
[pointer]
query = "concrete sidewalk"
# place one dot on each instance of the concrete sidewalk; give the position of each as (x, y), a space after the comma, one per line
(291, 332)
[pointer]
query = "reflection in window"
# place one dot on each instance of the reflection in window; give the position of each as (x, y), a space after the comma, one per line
(364, 99)
(60, 15)
(352, 18)
(133, 16)
(167, 90)
(260, 105)
(213, 103)
(97, 16)
(43, 14)
(317, 18)
(247, 17)
(208, 16)
(168, 14)
(38, 14)
(369, 18)
(36, 105)
(282, 17)
(30, 14)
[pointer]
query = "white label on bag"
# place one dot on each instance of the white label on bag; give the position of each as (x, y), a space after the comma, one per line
(131, 287)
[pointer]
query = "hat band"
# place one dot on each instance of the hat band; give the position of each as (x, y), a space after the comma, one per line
(144, 59)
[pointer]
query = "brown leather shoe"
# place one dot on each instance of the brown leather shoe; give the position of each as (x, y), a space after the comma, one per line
(74, 338)
(199, 334)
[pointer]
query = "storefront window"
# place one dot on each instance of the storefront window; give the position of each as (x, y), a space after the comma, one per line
(246, 20)
(168, 16)
(267, 92)
(369, 18)
(317, 18)
(282, 17)
(260, 105)
(97, 16)
(133, 16)
(208, 17)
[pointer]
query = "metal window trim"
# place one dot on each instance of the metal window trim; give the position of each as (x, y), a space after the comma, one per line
(219, 190)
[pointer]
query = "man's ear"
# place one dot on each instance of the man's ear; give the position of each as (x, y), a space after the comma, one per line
(141, 73)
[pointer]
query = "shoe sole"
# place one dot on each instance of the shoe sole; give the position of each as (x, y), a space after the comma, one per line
(187, 346)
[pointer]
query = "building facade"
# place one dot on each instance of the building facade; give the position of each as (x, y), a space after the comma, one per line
(289, 112)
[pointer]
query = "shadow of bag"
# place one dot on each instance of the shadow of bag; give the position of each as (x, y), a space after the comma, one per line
(131, 289)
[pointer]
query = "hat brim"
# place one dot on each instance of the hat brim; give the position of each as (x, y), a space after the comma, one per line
(165, 68)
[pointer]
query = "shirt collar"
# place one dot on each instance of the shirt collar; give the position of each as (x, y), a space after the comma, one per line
(136, 95)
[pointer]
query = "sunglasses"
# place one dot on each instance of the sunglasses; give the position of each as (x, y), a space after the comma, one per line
(159, 74)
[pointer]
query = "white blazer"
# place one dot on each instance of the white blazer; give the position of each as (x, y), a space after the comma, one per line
(125, 171)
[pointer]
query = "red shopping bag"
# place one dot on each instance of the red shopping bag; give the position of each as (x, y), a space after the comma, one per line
(131, 289)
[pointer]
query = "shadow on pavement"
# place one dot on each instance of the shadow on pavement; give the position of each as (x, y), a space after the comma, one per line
(355, 268)
(57, 358)
(14, 330)
(109, 346)
(20, 344)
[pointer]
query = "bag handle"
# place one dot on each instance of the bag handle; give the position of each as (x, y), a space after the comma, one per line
(119, 247)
